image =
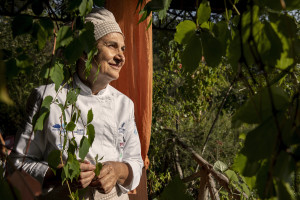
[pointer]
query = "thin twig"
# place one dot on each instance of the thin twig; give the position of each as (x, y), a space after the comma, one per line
(218, 113)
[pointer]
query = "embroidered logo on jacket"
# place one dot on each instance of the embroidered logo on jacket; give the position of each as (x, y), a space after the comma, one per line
(58, 128)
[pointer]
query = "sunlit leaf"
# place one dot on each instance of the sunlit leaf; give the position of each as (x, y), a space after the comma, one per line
(98, 168)
(47, 102)
(71, 169)
(185, 31)
(57, 75)
(84, 147)
(231, 175)
(203, 12)
(163, 13)
(245, 167)
(72, 96)
(39, 124)
(64, 36)
(85, 7)
(91, 133)
(285, 191)
(90, 116)
(70, 126)
(268, 44)
(220, 166)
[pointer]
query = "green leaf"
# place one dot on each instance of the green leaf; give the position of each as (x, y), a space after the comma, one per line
(87, 38)
(47, 24)
(57, 76)
(232, 175)
(74, 116)
(163, 12)
(74, 195)
(24, 61)
(185, 31)
(276, 5)
(98, 168)
(243, 166)
(63, 112)
(222, 34)
(269, 45)
(71, 55)
(64, 36)
(192, 54)
(220, 166)
(74, 5)
(264, 183)
(211, 54)
(285, 165)
(85, 7)
(285, 192)
(47, 102)
(71, 169)
(90, 133)
(234, 51)
(88, 64)
(175, 190)
(72, 96)
(203, 12)
(254, 148)
(90, 116)
(72, 146)
(39, 124)
(42, 37)
(84, 147)
(70, 126)
(54, 159)
(21, 24)
(258, 108)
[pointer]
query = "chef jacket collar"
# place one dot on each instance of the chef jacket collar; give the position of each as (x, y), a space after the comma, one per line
(85, 90)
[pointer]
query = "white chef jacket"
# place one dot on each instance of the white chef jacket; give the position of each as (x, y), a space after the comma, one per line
(116, 136)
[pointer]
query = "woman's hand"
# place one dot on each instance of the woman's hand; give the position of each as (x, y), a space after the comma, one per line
(86, 175)
(110, 174)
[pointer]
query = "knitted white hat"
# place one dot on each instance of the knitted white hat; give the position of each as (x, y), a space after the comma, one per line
(104, 22)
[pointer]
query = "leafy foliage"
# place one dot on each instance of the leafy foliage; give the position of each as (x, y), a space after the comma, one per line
(253, 49)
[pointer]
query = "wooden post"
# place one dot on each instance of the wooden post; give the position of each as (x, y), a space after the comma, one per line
(203, 192)
(214, 194)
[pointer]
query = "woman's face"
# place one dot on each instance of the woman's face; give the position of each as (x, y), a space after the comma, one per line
(110, 56)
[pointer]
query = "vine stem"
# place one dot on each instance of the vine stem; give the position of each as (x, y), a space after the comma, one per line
(219, 111)
(40, 105)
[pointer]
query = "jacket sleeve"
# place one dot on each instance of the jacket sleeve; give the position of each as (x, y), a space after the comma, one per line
(132, 152)
(33, 163)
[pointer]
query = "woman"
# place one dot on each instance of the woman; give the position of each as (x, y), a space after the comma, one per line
(116, 137)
